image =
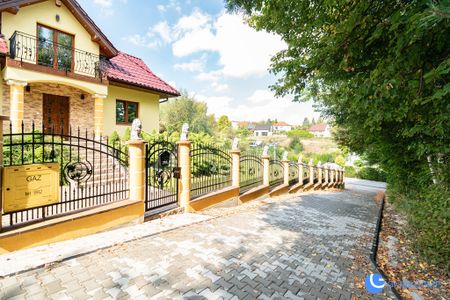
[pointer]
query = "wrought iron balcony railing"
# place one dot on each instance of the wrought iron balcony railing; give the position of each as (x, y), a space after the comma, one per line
(28, 48)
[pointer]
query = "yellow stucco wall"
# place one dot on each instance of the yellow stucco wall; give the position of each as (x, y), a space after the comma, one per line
(148, 109)
(45, 13)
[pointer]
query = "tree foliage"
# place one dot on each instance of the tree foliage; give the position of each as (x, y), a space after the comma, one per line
(186, 109)
(379, 70)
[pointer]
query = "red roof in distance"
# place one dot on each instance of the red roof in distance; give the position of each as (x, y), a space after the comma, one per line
(318, 127)
(281, 124)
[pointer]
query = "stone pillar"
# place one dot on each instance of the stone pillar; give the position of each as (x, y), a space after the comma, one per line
(300, 170)
(311, 172)
(319, 168)
(266, 169)
(2, 118)
(16, 103)
(184, 183)
(286, 171)
(327, 178)
(136, 169)
(332, 177)
(99, 119)
(236, 174)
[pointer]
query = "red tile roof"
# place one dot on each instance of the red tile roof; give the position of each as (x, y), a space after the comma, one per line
(281, 124)
(132, 70)
(318, 127)
(3, 45)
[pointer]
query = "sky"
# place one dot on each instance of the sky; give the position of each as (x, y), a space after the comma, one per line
(199, 47)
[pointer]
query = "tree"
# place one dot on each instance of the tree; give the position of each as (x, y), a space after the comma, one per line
(313, 122)
(379, 71)
(185, 109)
(224, 124)
(306, 124)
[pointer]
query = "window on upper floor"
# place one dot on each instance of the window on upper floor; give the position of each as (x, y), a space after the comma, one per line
(55, 48)
(126, 111)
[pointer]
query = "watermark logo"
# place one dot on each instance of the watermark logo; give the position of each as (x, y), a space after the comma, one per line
(374, 283)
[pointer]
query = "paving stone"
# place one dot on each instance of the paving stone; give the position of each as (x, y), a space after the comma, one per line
(289, 247)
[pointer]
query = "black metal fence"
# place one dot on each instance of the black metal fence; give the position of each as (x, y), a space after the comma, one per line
(210, 169)
(162, 175)
(293, 173)
(251, 171)
(276, 173)
(91, 172)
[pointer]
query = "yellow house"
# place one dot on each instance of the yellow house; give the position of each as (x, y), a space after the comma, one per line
(59, 70)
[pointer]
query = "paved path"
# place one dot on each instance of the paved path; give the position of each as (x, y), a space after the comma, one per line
(304, 246)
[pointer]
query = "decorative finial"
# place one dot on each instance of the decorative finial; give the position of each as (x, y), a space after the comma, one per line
(136, 129)
(265, 150)
(319, 164)
(184, 132)
(285, 155)
(300, 159)
(235, 145)
(310, 162)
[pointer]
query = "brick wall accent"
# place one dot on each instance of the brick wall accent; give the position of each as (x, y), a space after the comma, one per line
(81, 111)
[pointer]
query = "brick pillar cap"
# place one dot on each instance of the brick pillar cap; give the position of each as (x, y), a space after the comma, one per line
(265, 157)
(235, 151)
(136, 142)
(184, 142)
(4, 118)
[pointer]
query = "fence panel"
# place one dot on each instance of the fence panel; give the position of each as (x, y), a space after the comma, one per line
(91, 172)
(276, 173)
(161, 175)
(251, 171)
(293, 173)
(210, 169)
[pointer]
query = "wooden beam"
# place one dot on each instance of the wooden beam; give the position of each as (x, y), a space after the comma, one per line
(13, 10)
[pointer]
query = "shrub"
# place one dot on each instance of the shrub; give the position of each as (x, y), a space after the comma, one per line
(300, 134)
(371, 173)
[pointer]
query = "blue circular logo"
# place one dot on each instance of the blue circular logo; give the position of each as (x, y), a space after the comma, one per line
(374, 283)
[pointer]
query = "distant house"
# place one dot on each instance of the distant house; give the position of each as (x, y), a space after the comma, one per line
(320, 130)
(263, 130)
(235, 124)
(282, 127)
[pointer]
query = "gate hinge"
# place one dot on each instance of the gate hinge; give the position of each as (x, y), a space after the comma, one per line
(176, 172)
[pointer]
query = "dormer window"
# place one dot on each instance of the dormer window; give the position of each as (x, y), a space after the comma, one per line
(55, 48)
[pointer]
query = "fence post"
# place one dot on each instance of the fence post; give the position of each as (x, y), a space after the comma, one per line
(136, 151)
(327, 178)
(286, 172)
(300, 170)
(319, 167)
(332, 176)
(2, 118)
(266, 169)
(236, 161)
(184, 183)
(311, 172)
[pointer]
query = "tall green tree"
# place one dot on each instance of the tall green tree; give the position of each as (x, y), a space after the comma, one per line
(306, 123)
(379, 70)
(185, 109)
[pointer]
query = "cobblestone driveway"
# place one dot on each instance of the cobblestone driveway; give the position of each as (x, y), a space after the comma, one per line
(304, 246)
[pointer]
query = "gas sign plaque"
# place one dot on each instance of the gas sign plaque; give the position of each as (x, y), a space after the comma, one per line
(30, 186)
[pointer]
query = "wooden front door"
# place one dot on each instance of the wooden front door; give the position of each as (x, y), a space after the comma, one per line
(56, 114)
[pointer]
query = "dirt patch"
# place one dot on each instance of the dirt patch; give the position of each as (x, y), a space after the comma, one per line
(418, 279)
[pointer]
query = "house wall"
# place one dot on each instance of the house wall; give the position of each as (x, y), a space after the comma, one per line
(148, 109)
(81, 111)
(45, 13)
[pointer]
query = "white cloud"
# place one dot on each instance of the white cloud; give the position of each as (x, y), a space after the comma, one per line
(107, 7)
(242, 50)
(259, 106)
(209, 76)
(163, 29)
(140, 41)
(191, 66)
(172, 4)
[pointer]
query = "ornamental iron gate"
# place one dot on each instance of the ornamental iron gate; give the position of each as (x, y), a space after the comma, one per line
(276, 173)
(161, 175)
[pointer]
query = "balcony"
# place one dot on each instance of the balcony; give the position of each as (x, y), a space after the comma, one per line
(55, 56)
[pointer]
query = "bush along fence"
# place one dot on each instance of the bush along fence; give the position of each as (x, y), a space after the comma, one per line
(92, 182)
